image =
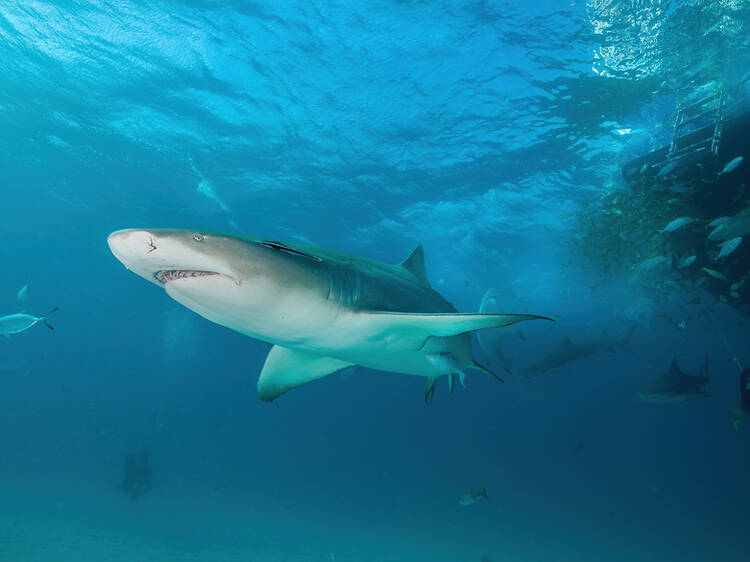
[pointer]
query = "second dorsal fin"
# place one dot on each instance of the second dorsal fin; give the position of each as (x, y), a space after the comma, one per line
(415, 264)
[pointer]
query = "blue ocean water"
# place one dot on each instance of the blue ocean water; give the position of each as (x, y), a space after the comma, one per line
(484, 131)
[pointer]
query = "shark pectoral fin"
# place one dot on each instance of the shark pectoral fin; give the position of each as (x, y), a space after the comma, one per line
(287, 368)
(417, 327)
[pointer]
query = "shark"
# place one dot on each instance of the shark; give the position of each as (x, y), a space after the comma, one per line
(567, 351)
(676, 386)
(321, 310)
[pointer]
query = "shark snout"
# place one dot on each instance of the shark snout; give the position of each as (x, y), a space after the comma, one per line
(131, 244)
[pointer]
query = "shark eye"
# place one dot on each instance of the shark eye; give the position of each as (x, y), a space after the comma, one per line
(198, 237)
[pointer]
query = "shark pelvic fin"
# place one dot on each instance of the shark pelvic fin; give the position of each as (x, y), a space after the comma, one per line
(287, 368)
(413, 328)
(414, 264)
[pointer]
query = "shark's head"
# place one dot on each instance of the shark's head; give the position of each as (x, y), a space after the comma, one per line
(235, 281)
(178, 257)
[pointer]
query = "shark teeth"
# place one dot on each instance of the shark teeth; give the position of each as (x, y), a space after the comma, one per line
(172, 274)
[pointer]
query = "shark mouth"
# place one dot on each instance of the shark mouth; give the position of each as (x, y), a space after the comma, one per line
(172, 274)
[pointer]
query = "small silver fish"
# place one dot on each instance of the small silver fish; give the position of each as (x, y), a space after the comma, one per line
(729, 246)
(717, 222)
(23, 293)
(715, 274)
(687, 261)
(447, 364)
(680, 188)
(473, 497)
(651, 262)
(17, 323)
(678, 223)
(732, 165)
(667, 168)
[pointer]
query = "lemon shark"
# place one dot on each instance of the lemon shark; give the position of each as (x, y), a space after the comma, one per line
(321, 310)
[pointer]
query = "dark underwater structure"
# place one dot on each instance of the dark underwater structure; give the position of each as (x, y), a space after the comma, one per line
(702, 175)
(137, 474)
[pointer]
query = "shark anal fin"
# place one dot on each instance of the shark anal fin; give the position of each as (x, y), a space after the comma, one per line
(287, 368)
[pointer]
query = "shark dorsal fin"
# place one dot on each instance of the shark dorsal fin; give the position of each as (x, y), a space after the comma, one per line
(565, 342)
(414, 264)
(674, 369)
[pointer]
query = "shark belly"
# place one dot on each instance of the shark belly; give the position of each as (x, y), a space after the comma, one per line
(320, 327)
(392, 353)
(294, 320)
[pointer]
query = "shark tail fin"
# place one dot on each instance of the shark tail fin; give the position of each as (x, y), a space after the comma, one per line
(45, 318)
(477, 367)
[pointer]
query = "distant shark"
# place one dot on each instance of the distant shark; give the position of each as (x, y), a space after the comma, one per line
(676, 386)
(322, 310)
(567, 351)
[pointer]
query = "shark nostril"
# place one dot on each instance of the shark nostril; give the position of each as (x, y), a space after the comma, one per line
(151, 244)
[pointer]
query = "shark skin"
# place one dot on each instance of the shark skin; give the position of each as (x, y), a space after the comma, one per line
(676, 386)
(322, 310)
